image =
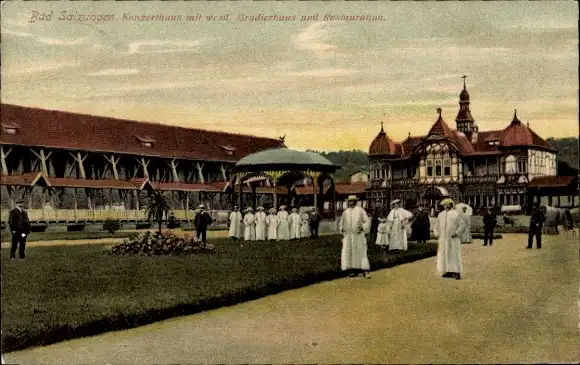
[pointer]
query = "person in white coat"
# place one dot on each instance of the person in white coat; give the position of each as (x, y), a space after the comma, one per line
(448, 228)
(249, 225)
(235, 224)
(398, 219)
(383, 234)
(272, 222)
(466, 235)
(353, 224)
(294, 221)
(260, 219)
(283, 224)
(305, 223)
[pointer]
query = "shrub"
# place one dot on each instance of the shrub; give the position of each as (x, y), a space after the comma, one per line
(111, 225)
(165, 243)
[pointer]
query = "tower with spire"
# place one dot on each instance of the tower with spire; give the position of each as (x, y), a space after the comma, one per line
(465, 122)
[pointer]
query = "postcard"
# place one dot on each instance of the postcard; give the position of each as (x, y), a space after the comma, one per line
(289, 182)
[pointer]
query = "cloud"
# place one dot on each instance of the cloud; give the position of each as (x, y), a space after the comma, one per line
(46, 40)
(327, 72)
(43, 67)
(311, 39)
(157, 46)
(114, 72)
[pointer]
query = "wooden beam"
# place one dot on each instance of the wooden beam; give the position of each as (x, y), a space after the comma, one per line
(224, 169)
(113, 161)
(173, 164)
(42, 158)
(199, 167)
(4, 156)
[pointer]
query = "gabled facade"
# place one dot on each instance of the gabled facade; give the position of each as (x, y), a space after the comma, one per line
(480, 168)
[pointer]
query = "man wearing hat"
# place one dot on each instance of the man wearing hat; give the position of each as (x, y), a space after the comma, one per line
(536, 224)
(398, 219)
(314, 223)
(202, 221)
(353, 225)
(283, 233)
(260, 218)
(235, 224)
(20, 228)
(249, 225)
(448, 228)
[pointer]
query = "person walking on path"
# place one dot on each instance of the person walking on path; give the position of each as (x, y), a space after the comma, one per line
(466, 235)
(448, 228)
(235, 224)
(536, 225)
(489, 223)
(314, 223)
(20, 228)
(202, 221)
(398, 219)
(382, 239)
(421, 227)
(353, 224)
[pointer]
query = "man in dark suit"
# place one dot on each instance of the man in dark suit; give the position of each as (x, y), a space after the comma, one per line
(314, 223)
(202, 221)
(489, 224)
(20, 228)
(536, 224)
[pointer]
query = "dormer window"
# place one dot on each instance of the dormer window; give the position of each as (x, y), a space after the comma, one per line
(493, 143)
(229, 150)
(10, 128)
(146, 141)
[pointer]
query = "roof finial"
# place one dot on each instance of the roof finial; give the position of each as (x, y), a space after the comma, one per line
(516, 120)
(464, 77)
(409, 134)
(382, 129)
(439, 111)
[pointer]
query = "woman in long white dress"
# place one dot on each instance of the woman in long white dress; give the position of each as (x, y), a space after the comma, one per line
(272, 222)
(260, 219)
(249, 225)
(294, 221)
(398, 219)
(283, 225)
(305, 224)
(383, 234)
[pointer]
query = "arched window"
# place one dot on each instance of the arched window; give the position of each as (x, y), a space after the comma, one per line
(438, 164)
(510, 165)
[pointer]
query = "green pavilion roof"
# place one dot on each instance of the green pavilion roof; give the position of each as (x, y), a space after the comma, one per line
(287, 159)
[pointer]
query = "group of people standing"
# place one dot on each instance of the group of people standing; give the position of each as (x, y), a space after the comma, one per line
(451, 228)
(280, 225)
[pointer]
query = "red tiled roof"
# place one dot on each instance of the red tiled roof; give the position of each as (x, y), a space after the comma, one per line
(348, 188)
(407, 147)
(551, 181)
(382, 145)
(96, 184)
(440, 127)
(517, 134)
(58, 129)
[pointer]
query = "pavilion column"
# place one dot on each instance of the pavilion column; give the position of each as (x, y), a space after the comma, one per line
(289, 197)
(76, 203)
(275, 196)
(187, 206)
(314, 186)
(254, 196)
(241, 193)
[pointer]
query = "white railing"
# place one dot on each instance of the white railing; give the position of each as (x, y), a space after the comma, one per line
(46, 215)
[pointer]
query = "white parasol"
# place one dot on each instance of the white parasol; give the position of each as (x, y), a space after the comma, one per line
(460, 207)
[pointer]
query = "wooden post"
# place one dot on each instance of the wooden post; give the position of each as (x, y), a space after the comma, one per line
(79, 160)
(223, 169)
(314, 185)
(29, 189)
(173, 166)
(254, 197)
(187, 206)
(241, 193)
(275, 196)
(199, 167)
(4, 156)
(76, 204)
(113, 161)
(144, 165)
(42, 157)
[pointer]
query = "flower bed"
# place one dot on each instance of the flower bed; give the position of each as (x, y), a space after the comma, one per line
(64, 292)
(156, 243)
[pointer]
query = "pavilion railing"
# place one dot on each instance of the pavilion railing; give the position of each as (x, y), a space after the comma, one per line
(95, 215)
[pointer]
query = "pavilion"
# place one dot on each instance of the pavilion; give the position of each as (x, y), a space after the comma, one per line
(280, 168)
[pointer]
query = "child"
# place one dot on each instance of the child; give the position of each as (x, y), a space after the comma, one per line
(383, 234)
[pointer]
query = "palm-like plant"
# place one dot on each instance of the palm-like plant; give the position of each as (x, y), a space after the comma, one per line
(157, 207)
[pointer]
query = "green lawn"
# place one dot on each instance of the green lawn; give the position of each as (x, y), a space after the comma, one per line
(64, 292)
(56, 236)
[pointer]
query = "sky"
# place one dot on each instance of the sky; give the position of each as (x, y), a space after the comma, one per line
(325, 85)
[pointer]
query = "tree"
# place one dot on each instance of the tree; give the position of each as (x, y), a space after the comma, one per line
(157, 207)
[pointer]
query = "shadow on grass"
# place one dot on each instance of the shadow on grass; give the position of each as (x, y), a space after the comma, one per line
(262, 269)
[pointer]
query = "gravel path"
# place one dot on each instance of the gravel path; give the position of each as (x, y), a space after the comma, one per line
(513, 306)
